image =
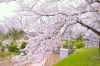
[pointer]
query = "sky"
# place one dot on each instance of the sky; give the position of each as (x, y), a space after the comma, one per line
(6, 9)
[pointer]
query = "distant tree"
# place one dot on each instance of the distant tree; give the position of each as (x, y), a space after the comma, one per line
(16, 34)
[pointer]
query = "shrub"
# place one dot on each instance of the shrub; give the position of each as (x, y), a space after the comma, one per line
(74, 41)
(14, 43)
(23, 45)
(71, 46)
(13, 47)
(65, 43)
(79, 44)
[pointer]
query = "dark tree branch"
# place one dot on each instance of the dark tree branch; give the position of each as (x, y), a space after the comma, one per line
(88, 27)
(34, 4)
(68, 26)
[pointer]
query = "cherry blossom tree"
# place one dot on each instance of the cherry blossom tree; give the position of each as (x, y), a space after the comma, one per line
(51, 20)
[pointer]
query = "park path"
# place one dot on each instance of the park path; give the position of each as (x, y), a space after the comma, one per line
(52, 59)
(6, 63)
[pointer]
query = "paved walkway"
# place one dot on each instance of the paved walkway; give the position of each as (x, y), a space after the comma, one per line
(52, 59)
(6, 63)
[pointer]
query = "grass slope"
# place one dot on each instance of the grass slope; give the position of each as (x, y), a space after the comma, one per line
(82, 57)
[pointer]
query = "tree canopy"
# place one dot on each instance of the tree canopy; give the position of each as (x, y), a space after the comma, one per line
(51, 20)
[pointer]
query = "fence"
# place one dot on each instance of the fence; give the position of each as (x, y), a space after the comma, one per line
(91, 43)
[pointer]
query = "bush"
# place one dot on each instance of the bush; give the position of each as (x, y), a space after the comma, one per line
(79, 44)
(23, 45)
(65, 43)
(74, 41)
(13, 43)
(13, 47)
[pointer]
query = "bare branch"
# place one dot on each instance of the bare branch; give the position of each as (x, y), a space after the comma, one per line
(88, 27)
(68, 26)
(34, 4)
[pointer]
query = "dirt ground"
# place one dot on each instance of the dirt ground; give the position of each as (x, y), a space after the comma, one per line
(6, 63)
(51, 60)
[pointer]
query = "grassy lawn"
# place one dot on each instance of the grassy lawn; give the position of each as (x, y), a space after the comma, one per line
(0, 47)
(82, 57)
(5, 55)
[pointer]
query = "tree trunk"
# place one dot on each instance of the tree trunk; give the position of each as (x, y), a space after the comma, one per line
(88, 27)
(92, 1)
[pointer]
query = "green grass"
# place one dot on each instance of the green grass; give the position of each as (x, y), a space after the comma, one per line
(0, 47)
(5, 55)
(82, 57)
